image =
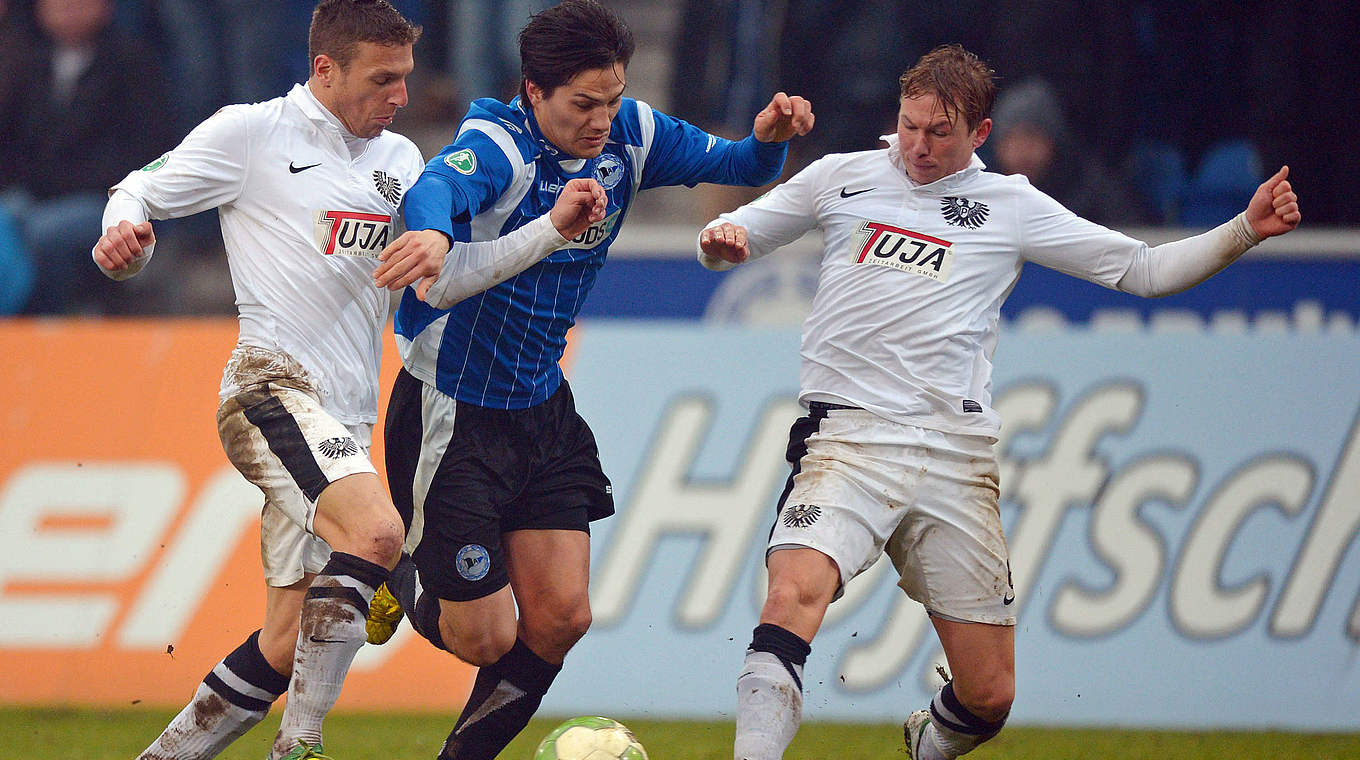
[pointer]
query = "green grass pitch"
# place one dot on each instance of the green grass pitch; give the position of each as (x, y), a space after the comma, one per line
(84, 734)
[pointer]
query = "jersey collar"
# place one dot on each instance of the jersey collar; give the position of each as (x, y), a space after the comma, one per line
(302, 96)
(975, 165)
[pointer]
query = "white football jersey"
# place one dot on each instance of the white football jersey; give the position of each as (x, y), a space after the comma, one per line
(303, 219)
(904, 321)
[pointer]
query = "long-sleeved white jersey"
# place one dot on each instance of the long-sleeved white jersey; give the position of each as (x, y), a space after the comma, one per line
(303, 218)
(904, 321)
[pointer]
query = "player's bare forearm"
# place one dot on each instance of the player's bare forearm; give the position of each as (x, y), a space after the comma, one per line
(413, 256)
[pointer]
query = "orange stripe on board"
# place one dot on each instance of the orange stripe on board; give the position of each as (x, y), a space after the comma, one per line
(113, 487)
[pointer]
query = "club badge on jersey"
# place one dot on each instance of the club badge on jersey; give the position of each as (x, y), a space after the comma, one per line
(900, 248)
(352, 233)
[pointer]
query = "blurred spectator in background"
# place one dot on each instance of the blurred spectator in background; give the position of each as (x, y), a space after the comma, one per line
(217, 52)
(81, 101)
(483, 52)
(17, 281)
(845, 57)
(1031, 137)
(723, 59)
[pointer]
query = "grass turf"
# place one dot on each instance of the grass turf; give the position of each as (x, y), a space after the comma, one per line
(85, 734)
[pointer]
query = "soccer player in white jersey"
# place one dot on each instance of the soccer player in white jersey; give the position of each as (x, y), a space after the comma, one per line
(308, 187)
(896, 453)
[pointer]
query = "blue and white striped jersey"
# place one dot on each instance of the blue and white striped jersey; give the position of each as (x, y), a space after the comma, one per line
(501, 347)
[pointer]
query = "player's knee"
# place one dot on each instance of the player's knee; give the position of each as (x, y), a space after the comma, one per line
(378, 539)
(476, 645)
(559, 626)
(386, 540)
(789, 600)
(990, 698)
(574, 625)
(373, 535)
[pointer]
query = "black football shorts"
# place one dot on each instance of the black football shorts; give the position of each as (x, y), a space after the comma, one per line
(462, 475)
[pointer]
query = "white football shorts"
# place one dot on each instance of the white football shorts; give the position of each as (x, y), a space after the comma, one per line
(275, 431)
(866, 486)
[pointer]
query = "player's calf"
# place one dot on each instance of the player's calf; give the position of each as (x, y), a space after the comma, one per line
(949, 729)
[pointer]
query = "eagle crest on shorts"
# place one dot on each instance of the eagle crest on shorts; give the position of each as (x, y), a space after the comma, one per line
(335, 448)
(961, 212)
(389, 187)
(801, 515)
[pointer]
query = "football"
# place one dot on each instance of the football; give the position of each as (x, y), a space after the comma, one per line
(590, 738)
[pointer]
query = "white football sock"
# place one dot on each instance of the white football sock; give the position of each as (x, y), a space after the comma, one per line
(331, 631)
(929, 748)
(235, 695)
(769, 707)
(954, 730)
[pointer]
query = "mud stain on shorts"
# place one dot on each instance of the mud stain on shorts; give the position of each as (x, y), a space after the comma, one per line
(252, 367)
(250, 376)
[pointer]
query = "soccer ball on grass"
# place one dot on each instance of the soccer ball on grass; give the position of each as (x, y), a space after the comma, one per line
(590, 738)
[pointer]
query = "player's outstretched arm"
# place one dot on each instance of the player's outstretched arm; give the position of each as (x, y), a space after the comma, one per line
(470, 268)
(122, 248)
(785, 116)
(419, 256)
(723, 246)
(1182, 264)
(1274, 208)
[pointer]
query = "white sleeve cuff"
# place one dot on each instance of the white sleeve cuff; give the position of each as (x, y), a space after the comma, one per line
(124, 206)
(715, 263)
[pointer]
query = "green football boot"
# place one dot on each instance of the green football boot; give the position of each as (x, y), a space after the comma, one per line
(305, 751)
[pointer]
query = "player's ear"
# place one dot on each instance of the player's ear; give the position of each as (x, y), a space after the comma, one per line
(324, 68)
(534, 92)
(980, 134)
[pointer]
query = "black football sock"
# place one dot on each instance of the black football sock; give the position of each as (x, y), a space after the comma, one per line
(504, 697)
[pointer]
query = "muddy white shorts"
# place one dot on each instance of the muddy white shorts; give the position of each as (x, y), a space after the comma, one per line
(863, 486)
(275, 431)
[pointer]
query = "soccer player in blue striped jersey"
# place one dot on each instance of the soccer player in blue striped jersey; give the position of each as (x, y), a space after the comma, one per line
(495, 473)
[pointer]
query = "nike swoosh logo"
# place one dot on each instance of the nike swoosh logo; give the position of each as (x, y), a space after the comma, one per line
(296, 169)
(1008, 599)
(316, 640)
(857, 192)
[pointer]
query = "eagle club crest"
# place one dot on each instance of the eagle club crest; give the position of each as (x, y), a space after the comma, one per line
(801, 515)
(335, 448)
(962, 213)
(389, 187)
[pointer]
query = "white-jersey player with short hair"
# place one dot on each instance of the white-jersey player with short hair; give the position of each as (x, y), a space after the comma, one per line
(895, 457)
(308, 188)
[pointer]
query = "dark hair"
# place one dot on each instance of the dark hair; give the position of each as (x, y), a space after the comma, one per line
(338, 26)
(566, 39)
(962, 82)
